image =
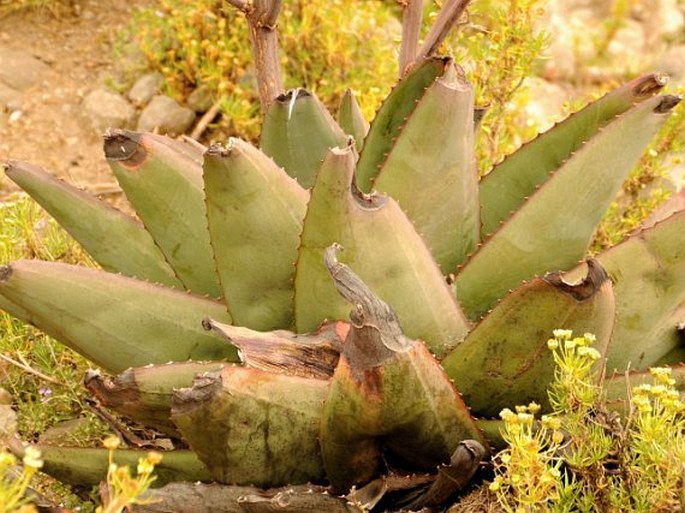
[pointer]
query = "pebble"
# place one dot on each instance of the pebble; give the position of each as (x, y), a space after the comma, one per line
(201, 99)
(106, 109)
(166, 116)
(20, 70)
(145, 88)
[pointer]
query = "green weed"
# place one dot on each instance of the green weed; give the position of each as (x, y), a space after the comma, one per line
(584, 457)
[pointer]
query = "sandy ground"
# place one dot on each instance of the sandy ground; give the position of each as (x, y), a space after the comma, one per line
(50, 131)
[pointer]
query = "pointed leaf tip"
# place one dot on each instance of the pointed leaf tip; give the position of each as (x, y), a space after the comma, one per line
(124, 145)
(649, 85)
(596, 277)
(668, 103)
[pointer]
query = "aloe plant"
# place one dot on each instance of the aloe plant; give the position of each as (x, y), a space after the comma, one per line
(246, 263)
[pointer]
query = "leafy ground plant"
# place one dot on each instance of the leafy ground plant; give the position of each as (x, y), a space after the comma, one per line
(585, 456)
(54, 7)
(197, 43)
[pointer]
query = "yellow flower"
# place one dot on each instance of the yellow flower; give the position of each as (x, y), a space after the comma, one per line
(32, 457)
(111, 442)
(549, 422)
(154, 457)
(563, 334)
(590, 352)
(552, 344)
(525, 418)
(507, 415)
(6, 459)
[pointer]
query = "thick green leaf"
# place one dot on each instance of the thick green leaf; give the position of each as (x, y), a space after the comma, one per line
(381, 245)
(431, 170)
(115, 240)
(506, 187)
(648, 271)
(115, 321)
(297, 133)
(674, 333)
(164, 185)
(143, 394)
(351, 119)
(254, 427)
(553, 228)
(392, 116)
(88, 467)
(388, 394)
(255, 214)
(505, 361)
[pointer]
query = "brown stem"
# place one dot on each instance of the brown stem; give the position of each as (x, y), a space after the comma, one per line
(411, 30)
(262, 16)
(206, 119)
(448, 17)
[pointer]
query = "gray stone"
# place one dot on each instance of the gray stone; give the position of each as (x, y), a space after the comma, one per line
(546, 101)
(662, 19)
(145, 88)
(106, 109)
(64, 432)
(672, 62)
(20, 70)
(201, 99)
(628, 43)
(166, 116)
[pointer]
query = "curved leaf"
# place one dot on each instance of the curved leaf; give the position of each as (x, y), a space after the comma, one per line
(255, 214)
(505, 361)
(115, 240)
(388, 394)
(553, 228)
(383, 247)
(164, 185)
(392, 116)
(506, 187)
(115, 321)
(431, 170)
(297, 133)
(648, 271)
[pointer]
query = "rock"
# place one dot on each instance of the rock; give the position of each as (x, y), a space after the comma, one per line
(574, 32)
(64, 432)
(662, 19)
(201, 99)
(546, 101)
(626, 47)
(10, 99)
(166, 116)
(20, 70)
(145, 88)
(106, 109)
(672, 62)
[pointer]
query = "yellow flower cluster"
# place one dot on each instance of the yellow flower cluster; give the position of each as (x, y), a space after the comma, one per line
(13, 497)
(123, 488)
(527, 473)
